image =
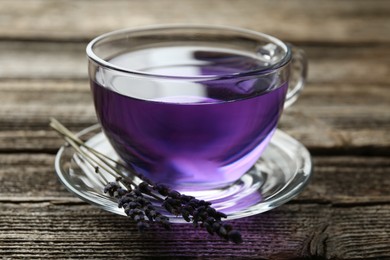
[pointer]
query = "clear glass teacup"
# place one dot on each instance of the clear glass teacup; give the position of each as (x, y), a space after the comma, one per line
(193, 107)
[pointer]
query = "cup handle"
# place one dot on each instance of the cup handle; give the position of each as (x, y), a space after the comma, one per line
(297, 75)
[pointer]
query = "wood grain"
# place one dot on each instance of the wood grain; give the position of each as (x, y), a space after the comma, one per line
(291, 231)
(324, 221)
(28, 177)
(47, 60)
(349, 22)
(342, 117)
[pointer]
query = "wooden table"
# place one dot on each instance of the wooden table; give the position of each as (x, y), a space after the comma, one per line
(343, 117)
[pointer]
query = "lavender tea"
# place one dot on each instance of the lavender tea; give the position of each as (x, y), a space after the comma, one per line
(201, 132)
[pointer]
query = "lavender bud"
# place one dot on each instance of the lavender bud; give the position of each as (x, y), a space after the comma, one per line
(165, 223)
(211, 211)
(153, 213)
(150, 206)
(222, 231)
(110, 188)
(201, 208)
(136, 193)
(168, 206)
(141, 201)
(144, 188)
(235, 236)
(133, 205)
(129, 211)
(162, 189)
(189, 208)
(138, 218)
(210, 220)
(142, 226)
(186, 198)
(122, 201)
(221, 214)
(209, 228)
(195, 215)
(186, 215)
(204, 203)
(174, 194)
(194, 202)
(203, 215)
(216, 226)
(228, 227)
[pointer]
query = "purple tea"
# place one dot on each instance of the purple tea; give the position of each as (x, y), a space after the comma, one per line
(204, 132)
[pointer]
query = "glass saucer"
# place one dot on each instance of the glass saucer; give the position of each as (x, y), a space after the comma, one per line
(278, 176)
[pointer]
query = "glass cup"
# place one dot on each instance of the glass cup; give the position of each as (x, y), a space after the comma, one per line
(193, 107)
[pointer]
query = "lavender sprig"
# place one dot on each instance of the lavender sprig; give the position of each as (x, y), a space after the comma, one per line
(134, 193)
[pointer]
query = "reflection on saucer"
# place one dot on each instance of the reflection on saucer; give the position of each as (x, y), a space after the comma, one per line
(279, 175)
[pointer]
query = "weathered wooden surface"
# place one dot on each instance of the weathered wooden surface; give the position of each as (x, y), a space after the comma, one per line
(352, 117)
(47, 60)
(334, 21)
(343, 117)
(29, 177)
(326, 220)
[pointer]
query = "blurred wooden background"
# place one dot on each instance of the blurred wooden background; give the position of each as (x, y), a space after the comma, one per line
(343, 117)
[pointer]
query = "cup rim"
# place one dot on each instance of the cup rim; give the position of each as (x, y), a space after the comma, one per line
(260, 71)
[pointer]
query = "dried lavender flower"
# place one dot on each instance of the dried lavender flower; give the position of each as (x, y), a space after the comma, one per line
(200, 212)
(135, 198)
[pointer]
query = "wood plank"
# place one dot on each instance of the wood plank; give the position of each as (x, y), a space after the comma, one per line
(361, 232)
(344, 213)
(31, 178)
(87, 232)
(29, 104)
(342, 117)
(42, 60)
(318, 140)
(334, 175)
(291, 231)
(350, 22)
(324, 221)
